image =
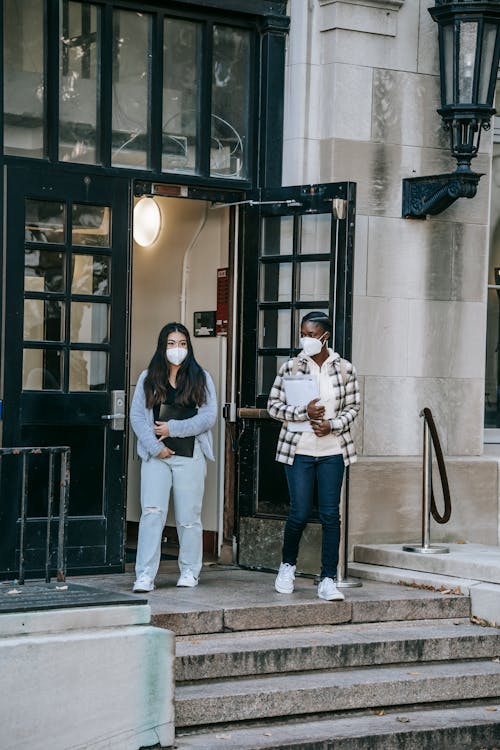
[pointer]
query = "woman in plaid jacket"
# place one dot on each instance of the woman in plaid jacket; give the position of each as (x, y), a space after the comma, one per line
(315, 443)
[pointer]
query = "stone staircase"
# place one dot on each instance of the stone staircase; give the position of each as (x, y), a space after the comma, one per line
(388, 674)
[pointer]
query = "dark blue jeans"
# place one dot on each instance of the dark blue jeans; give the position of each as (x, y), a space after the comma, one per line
(329, 472)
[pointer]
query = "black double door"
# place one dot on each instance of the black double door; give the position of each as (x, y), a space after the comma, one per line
(66, 263)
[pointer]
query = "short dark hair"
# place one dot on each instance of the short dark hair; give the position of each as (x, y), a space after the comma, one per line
(320, 319)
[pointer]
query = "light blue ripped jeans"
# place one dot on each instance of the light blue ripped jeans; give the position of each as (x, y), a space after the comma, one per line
(185, 477)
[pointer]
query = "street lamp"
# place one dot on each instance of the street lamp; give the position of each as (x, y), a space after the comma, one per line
(469, 51)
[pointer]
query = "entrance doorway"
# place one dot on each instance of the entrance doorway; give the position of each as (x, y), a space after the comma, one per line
(297, 256)
(174, 278)
(66, 261)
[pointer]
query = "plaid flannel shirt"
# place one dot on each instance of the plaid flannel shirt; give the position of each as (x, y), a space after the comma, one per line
(347, 407)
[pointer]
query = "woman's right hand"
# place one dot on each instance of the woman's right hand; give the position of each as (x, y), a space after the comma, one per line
(315, 411)
(165, 453)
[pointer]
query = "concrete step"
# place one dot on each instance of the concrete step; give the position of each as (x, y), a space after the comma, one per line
(479, 562)
(249, 699)
(299, 649)
(465, 728)
(374, 602)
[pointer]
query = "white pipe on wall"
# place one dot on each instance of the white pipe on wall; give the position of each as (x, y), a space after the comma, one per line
(186, 267)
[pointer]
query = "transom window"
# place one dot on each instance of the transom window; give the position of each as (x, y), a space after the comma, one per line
(91, 83)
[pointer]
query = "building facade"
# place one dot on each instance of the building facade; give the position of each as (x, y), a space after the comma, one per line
(270, 140)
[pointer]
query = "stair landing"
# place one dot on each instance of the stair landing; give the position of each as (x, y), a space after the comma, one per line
(231, 599)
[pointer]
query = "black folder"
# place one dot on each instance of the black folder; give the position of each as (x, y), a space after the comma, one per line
(163, 413)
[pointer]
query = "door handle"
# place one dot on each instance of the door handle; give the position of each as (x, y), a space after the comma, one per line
(117, 417)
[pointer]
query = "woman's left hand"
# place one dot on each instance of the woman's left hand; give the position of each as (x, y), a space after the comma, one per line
(161, 430)
(321, 429)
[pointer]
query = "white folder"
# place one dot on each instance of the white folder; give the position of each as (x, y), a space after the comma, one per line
(299, 390)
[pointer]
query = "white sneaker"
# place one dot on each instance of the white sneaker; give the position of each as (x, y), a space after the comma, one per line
(285, 578)
(143, 584)
(187, 579)
(328, 590)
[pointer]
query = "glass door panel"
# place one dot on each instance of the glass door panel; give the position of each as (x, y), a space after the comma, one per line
(316, 233)
(277, 235)
(91, 274)
(276, 284)
(91, 225)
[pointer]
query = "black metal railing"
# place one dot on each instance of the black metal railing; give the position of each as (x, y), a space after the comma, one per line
(64, 482)
(431, 439)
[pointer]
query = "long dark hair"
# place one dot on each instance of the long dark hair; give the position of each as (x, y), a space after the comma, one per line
(190, 382)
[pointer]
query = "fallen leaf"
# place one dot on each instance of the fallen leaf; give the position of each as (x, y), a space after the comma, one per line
(222, 736)
(268, 734)
(61, 588)
(490, 708)
(402, 719)
(480, 621)
(460, 541)
(415, 673)
(14, 591)
(497, 659)
(380, 713)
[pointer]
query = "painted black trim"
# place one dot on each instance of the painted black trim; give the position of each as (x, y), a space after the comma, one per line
(51, 80)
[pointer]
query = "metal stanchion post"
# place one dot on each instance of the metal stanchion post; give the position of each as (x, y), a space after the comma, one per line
(343, 579)
(426, 547)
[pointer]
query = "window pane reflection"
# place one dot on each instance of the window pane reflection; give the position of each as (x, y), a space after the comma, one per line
(24, 81)
(316, 233)
(230, 102)
(41, 370)
(131, 65)
(78, 74)
(43, 271)
(277, 235)
(276, 283)
(275, 328)
(314, 281)
(87, 371)
(90, 274)
(45, 221)
(91, 225)
(89, 323)
(42, 320)
(180, 95)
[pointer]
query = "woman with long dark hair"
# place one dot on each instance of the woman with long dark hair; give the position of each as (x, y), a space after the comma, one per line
(172, 413)
(315, 444)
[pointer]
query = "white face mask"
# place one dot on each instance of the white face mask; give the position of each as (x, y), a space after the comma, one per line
(176, 355)
(312, 346)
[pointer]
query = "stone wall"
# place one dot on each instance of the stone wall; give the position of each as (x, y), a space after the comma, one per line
(361, 96)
